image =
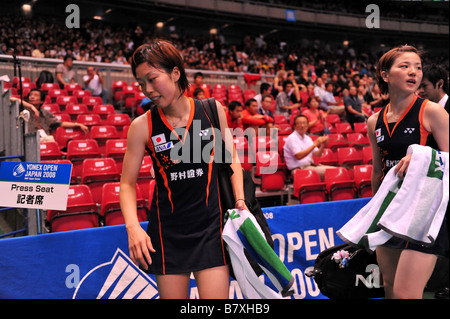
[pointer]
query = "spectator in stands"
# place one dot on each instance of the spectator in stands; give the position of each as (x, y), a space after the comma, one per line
(353, 107)
(234, 115)
(316, 117)
(64, 72)
(299, 148)
(374, 96)
(284, 104)
(263, 89)
(278, 81)
(198, 83)
(266, 104)
(328, 101)
(42, 120)
(295, 95)
(199, 93)
(252, 119)
(93, 82)
(434, 85)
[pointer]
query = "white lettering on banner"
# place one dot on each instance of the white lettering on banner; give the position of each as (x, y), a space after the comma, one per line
(295, 242)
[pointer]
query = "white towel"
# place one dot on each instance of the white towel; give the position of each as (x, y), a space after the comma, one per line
(412, 208)
(242, 231)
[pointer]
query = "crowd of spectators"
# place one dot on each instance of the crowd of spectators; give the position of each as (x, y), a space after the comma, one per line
(102, 42)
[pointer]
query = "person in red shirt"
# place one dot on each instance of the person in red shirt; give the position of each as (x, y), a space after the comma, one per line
(198, 83)
(234, 115)
(252, 119)
(315, 116)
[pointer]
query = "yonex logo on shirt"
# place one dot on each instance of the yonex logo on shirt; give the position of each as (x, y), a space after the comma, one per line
(409, 130)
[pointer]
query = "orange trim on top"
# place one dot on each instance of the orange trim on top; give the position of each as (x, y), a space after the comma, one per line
(423, 132)
(161, 169)
(191, 117)
(400, 119)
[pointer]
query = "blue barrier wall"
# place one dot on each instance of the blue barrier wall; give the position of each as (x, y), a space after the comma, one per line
(94, 263)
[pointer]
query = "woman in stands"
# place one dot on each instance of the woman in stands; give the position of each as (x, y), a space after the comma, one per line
(406, 120)
(185, 219)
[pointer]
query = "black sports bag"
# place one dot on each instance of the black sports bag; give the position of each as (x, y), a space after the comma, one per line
(357, 277)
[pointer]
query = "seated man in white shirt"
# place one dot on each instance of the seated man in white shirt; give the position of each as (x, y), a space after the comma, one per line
(300, 148)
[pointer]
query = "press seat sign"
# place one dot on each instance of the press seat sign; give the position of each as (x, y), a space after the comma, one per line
(34, 185)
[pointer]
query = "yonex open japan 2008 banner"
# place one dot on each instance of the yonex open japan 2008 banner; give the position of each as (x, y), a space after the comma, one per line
(94, 263)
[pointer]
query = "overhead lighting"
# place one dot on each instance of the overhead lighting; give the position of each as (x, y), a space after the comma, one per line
(26, 8)
(97, 18)
(213, 31)
(160, 25)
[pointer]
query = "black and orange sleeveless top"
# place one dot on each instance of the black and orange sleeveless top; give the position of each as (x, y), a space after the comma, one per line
(394, 138)
(182, 161)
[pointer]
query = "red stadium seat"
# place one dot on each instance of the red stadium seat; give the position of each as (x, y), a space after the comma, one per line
(63, 101)
(284, 129)
(360, 127)
(343, 128)
(50, 151)
(281, 142)
(103, 133)
(76, 109)
(16, 82)
(336, 140)
(54, 93)
(145, 175)
(349, 156)
(340, 185)
(96, 172)
(49, 86)
(72, 87)
(81, 94)
(110, 207)
(264, 143)
(249, 94)
(103, 110)
(63, 117)
(363, 180)
(79, 150)
(267, 162)
(63, 135)
(89, 120)
(241, 144)
(92, 101)
(333, 119)
(52, 108)
(280, 119)
(118, 120)
(308, 187)
(329, 157)
(81, 211)
(116, 148)
(367, 155)
(357, 140)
